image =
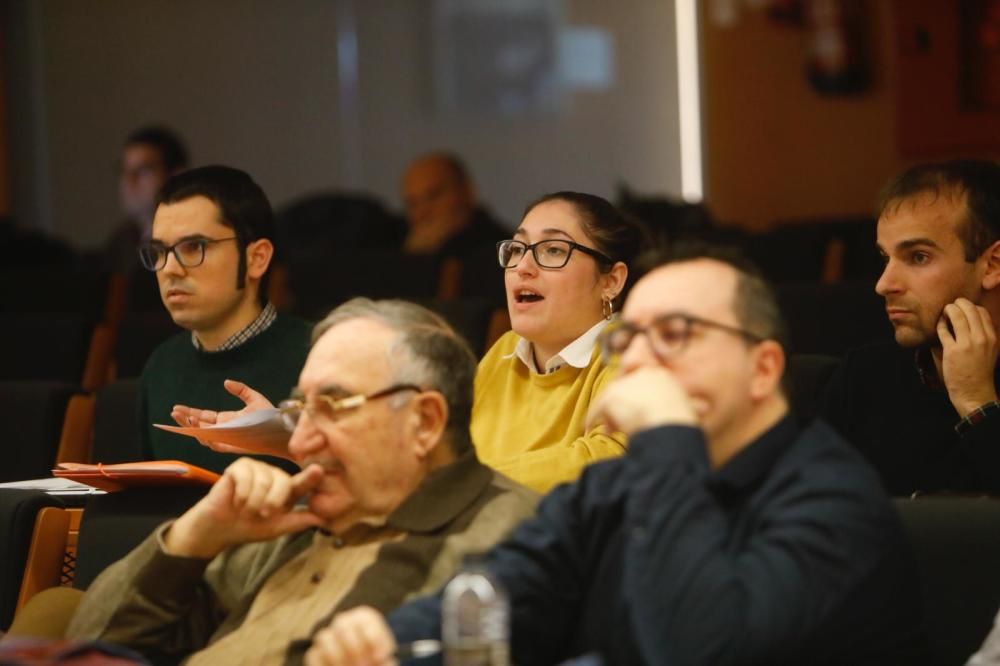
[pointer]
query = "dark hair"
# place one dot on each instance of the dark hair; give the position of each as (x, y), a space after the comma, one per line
(755, 303)
(977, 180)
(614, 234)
(434, 356)
(243, 207)
(165, 141)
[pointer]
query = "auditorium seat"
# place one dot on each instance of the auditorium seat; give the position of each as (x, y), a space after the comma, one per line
(80, 289)
(481, 277)
(51, 560)
(806, 378)
(832, 318)
(44, 346)
(322, 284)
(33, 413)
(469, 317)
(18, 511)
(115, 523)
(116, 425)
(956, 543)
(324, 222)
(791, 252)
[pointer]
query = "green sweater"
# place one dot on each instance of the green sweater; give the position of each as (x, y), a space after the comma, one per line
(177, 373)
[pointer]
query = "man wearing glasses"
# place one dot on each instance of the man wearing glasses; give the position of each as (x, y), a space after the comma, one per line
(211, 252)
(727, 534)
(389, 498)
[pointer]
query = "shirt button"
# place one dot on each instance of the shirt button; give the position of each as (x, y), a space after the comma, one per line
(338, 542)
(316, 578)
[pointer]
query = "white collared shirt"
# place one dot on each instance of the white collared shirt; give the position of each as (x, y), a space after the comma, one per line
(576, 353)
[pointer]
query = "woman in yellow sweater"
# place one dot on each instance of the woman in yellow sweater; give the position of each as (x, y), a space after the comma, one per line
(564, 270)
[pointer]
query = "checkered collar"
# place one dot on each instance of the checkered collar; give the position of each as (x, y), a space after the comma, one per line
(260, 324)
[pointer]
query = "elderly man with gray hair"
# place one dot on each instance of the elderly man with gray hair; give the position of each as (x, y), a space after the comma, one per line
(389, 499)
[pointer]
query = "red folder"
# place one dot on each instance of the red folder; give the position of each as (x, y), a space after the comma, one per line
(146, 473)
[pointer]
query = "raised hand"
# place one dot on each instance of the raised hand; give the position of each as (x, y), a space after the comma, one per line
(968, 355)
(253, 501)
(356, 637)
(641, 399)
(195, 417)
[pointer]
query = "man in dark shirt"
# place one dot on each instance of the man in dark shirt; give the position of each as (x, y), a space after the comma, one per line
(445, 221)
(924, 410)
(726, 535)
(442, 214)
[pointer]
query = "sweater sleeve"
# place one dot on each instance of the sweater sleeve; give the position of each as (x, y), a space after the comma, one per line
(142, 421)
(150, 600)
(979, 442)
(171, 606)
(545, 468)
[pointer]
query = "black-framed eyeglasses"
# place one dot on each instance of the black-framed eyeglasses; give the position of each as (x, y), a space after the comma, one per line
(552, 253)
(326, 406)
(667, 335)
(189, 252)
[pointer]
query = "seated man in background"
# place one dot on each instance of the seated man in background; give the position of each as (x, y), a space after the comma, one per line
(211, 251)
(924, 410)
(149, 157)
(442, 215)
(727, 534)
(395, 497)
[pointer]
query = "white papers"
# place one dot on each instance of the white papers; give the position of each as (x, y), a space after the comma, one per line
(53, 486)
(259, 431)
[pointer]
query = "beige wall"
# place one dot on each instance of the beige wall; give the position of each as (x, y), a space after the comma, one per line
(774, 148)
(254, 83)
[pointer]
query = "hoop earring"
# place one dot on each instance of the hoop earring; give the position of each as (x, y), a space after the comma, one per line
(607, 308)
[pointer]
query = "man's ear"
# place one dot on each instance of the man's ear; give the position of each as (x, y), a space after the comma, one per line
(769, 367)
(259, 254)
(991, 274)
(429, 418)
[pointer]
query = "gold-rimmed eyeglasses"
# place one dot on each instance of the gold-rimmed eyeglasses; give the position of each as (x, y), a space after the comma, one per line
(327, 406)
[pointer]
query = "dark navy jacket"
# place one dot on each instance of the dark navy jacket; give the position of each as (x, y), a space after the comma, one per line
(790, 553)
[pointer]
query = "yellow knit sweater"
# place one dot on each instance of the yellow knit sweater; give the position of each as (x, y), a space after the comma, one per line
(530, 426)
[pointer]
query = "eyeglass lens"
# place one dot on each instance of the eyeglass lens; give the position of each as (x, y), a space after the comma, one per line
(548, 253)
(666, 336)
(189, 254)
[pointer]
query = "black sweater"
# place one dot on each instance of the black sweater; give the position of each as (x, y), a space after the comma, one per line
(178, 373)
(906, 428)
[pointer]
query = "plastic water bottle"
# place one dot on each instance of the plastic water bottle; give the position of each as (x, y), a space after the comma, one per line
(475, 618)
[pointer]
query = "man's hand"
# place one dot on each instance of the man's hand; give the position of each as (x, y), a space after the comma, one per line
(355, 637)
(253, 501)
(194, 417)
(968, 355)
(644, 398)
